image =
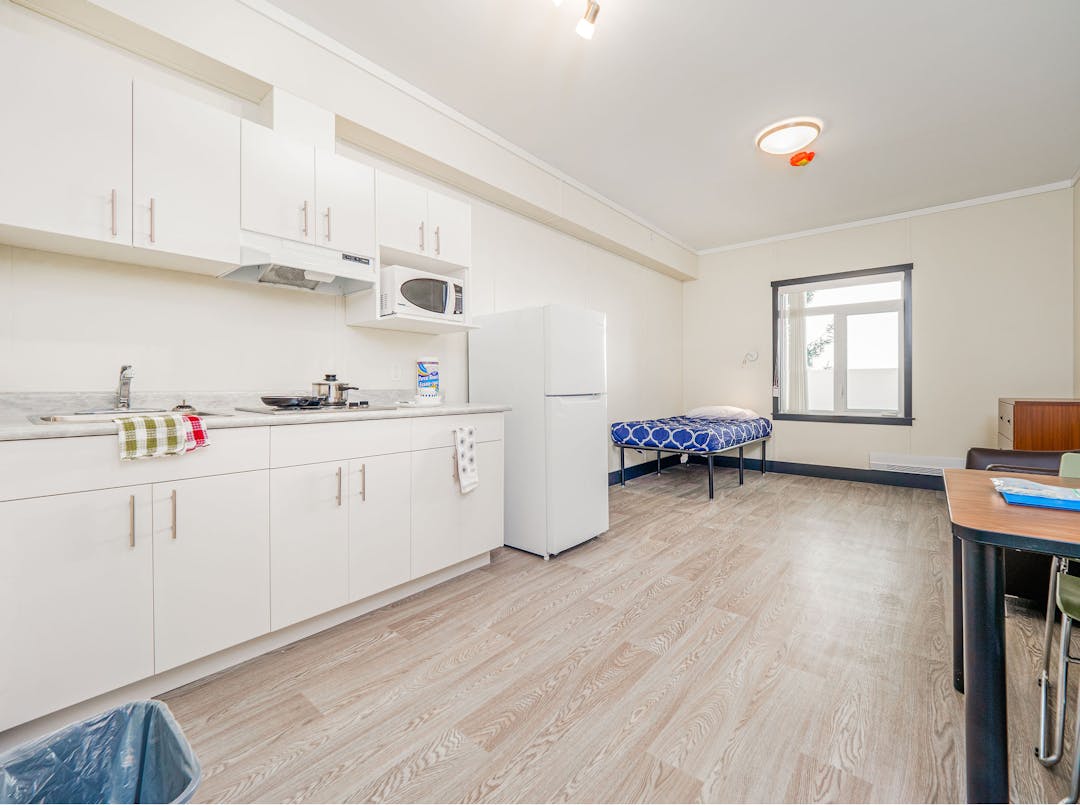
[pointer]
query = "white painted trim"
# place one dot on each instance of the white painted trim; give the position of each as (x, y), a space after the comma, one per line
(919, 212)
(316, 37)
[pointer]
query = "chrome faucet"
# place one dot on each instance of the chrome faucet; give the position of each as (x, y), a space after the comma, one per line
(123, 388)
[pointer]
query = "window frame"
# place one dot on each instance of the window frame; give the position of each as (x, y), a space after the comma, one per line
(905, 417)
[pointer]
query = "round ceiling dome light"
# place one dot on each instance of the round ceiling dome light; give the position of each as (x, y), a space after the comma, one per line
(789, 135)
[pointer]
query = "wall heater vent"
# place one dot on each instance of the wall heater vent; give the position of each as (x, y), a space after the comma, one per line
(918, 465)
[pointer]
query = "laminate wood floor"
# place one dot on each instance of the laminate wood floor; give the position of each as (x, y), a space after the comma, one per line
(788, 641)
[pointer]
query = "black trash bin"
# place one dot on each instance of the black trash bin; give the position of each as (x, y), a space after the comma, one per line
(134, 754)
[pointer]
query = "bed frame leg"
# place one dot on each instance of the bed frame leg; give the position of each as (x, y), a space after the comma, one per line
(710, 458)
(740, 466)
(657, 462)
(622, 466)
(763, 443)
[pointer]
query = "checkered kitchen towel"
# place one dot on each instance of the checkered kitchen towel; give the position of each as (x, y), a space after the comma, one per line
(156, 436)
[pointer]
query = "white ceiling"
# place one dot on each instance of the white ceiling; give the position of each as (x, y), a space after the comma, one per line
(925, 102)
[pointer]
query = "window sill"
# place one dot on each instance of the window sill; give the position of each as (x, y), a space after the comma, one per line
(848, 419)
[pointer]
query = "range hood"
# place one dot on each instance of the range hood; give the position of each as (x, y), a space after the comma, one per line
(300, 266)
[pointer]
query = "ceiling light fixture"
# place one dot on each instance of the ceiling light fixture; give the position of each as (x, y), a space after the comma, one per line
(789, 135)
(587, 24)
(557, 3)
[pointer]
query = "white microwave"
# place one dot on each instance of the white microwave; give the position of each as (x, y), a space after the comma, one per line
(403, 290)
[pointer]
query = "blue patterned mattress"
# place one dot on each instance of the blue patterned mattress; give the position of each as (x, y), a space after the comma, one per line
(690, 435)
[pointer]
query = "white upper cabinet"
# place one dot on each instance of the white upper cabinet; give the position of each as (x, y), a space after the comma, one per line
(65, 144)
(422, 224)
(450, 222)
(186, 176)
(345, 198)
(277, 185)
(211, 565)
(379, 523)
(402, 214)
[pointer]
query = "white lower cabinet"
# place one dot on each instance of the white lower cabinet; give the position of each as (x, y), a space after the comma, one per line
(309, 541)
(379, 524)
(436, 530)
(211, 565)
(76, 599)
(447, 526)
(482, 509)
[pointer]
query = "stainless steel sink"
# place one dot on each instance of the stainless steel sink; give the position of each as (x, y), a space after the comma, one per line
(109, 414)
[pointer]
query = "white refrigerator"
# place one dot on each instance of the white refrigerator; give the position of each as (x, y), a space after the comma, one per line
(549, 364)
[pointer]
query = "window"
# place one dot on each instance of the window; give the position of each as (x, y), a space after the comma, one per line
(842, 347)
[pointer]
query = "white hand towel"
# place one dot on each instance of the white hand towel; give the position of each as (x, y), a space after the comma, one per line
(465, 448)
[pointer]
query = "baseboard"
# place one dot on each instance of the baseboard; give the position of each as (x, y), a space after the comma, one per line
(645, 468)
(892, 479)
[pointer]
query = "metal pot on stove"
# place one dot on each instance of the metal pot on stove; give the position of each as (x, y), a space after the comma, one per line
(332, 391)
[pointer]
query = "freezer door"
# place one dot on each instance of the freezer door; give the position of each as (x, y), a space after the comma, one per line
(577, 491)
(576, 351)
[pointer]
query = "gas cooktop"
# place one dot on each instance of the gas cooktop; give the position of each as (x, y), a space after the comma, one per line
(350, 408)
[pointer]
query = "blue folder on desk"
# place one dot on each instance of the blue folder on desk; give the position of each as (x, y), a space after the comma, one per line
(1022, 492)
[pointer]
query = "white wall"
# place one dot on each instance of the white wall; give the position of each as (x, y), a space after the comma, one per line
(1076, 287)
(992, 313)
(68, 323)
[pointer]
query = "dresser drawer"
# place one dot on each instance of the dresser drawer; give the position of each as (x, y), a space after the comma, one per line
(438, 431)
(1005, 420)
(1004, 442)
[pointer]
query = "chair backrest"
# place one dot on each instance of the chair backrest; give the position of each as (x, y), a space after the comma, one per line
(1045, 462)
(1070, 465)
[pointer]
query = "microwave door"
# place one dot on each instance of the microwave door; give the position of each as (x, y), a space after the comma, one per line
(428, 295)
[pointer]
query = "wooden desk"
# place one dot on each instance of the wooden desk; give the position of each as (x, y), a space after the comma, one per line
(982, 525)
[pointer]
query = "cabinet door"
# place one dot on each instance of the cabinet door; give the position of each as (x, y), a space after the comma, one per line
(65, 143)
(436, 511)
(186, 176)
(345, 195)
(482, 509)
(211, 565)
(76, 599)
(402, 214)
(309, 541)
(379, 523)
(450, 223)
(277, 184)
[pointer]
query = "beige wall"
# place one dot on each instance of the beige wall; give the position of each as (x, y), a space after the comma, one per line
(992, 313)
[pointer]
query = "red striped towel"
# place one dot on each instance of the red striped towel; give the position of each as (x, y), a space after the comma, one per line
(194, 433)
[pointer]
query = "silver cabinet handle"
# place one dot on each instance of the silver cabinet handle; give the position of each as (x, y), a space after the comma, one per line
(305, 209)
(453, 465)
(131, 521)
(174, 514)
(438, 242)
(112, 202)
(363, 482)
(421, 235)
(339, 486)
(328, 223)
(153, 233)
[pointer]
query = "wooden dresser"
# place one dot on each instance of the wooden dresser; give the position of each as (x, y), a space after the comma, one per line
(1038, 424)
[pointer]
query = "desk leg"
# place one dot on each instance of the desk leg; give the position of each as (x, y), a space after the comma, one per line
(985, 714)
(958, 614)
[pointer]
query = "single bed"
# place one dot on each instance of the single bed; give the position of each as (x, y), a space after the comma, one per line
(694, 436)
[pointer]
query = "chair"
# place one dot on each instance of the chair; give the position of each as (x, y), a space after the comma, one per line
(1063, 595)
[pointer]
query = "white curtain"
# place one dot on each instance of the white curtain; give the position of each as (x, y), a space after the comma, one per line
(793, 372)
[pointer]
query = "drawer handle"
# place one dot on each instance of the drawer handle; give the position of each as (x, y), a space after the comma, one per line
(131, 521)
(112, 224)
(421, 236)
(174, 514)
(339, 486)
(153, 229)
(305, 210)
(438, 242)
(363, 482)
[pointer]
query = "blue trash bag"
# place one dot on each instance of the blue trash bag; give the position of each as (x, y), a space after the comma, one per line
(134, 754)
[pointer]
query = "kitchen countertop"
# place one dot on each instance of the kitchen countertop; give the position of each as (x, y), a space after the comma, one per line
(15, 424)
